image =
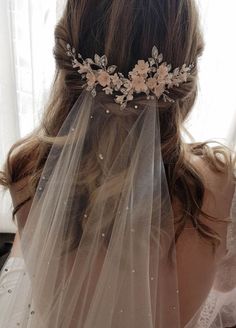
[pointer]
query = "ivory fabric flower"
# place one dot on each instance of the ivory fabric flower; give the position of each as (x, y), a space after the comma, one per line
(162, 73)
(108, 91)
(159, 90)
(142, 68)
(104, 79)
(91, 78)
(138, 83)
(152, 83)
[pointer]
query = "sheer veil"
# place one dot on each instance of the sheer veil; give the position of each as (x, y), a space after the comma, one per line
(110, 262)
(117, 268)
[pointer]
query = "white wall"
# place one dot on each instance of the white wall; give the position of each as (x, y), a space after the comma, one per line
(214, 115)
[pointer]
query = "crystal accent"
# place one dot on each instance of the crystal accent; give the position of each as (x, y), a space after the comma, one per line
(94, 93)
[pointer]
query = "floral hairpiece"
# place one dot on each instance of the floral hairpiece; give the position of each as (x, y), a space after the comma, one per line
(153, 77)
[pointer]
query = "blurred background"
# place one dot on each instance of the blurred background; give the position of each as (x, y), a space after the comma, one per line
(27, 67)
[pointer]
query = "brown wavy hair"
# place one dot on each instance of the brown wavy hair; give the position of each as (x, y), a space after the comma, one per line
(125, 31)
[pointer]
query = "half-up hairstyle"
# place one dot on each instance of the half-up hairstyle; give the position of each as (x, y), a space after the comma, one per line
(125, 31)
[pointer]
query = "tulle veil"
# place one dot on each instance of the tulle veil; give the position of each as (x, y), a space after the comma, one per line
(111, 263)
(119, 268)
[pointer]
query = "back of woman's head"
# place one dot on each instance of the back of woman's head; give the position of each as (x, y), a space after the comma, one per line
(125, 31)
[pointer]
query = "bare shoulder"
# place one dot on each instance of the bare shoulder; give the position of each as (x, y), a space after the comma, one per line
(196, 263)
(219, 187)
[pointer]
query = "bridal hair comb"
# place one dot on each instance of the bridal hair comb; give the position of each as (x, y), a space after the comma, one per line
(153, 77)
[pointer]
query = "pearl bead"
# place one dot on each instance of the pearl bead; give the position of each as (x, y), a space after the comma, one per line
(101, 156)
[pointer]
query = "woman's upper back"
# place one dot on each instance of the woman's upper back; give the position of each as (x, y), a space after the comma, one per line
(197, 265)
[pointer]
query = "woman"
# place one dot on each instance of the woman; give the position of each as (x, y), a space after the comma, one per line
(121, 224)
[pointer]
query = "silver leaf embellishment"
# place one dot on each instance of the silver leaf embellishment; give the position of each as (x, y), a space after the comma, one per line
(160, 58)
(97, 59)
(104, 61)
(176, 71)
(155, 52)
(111, 69)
